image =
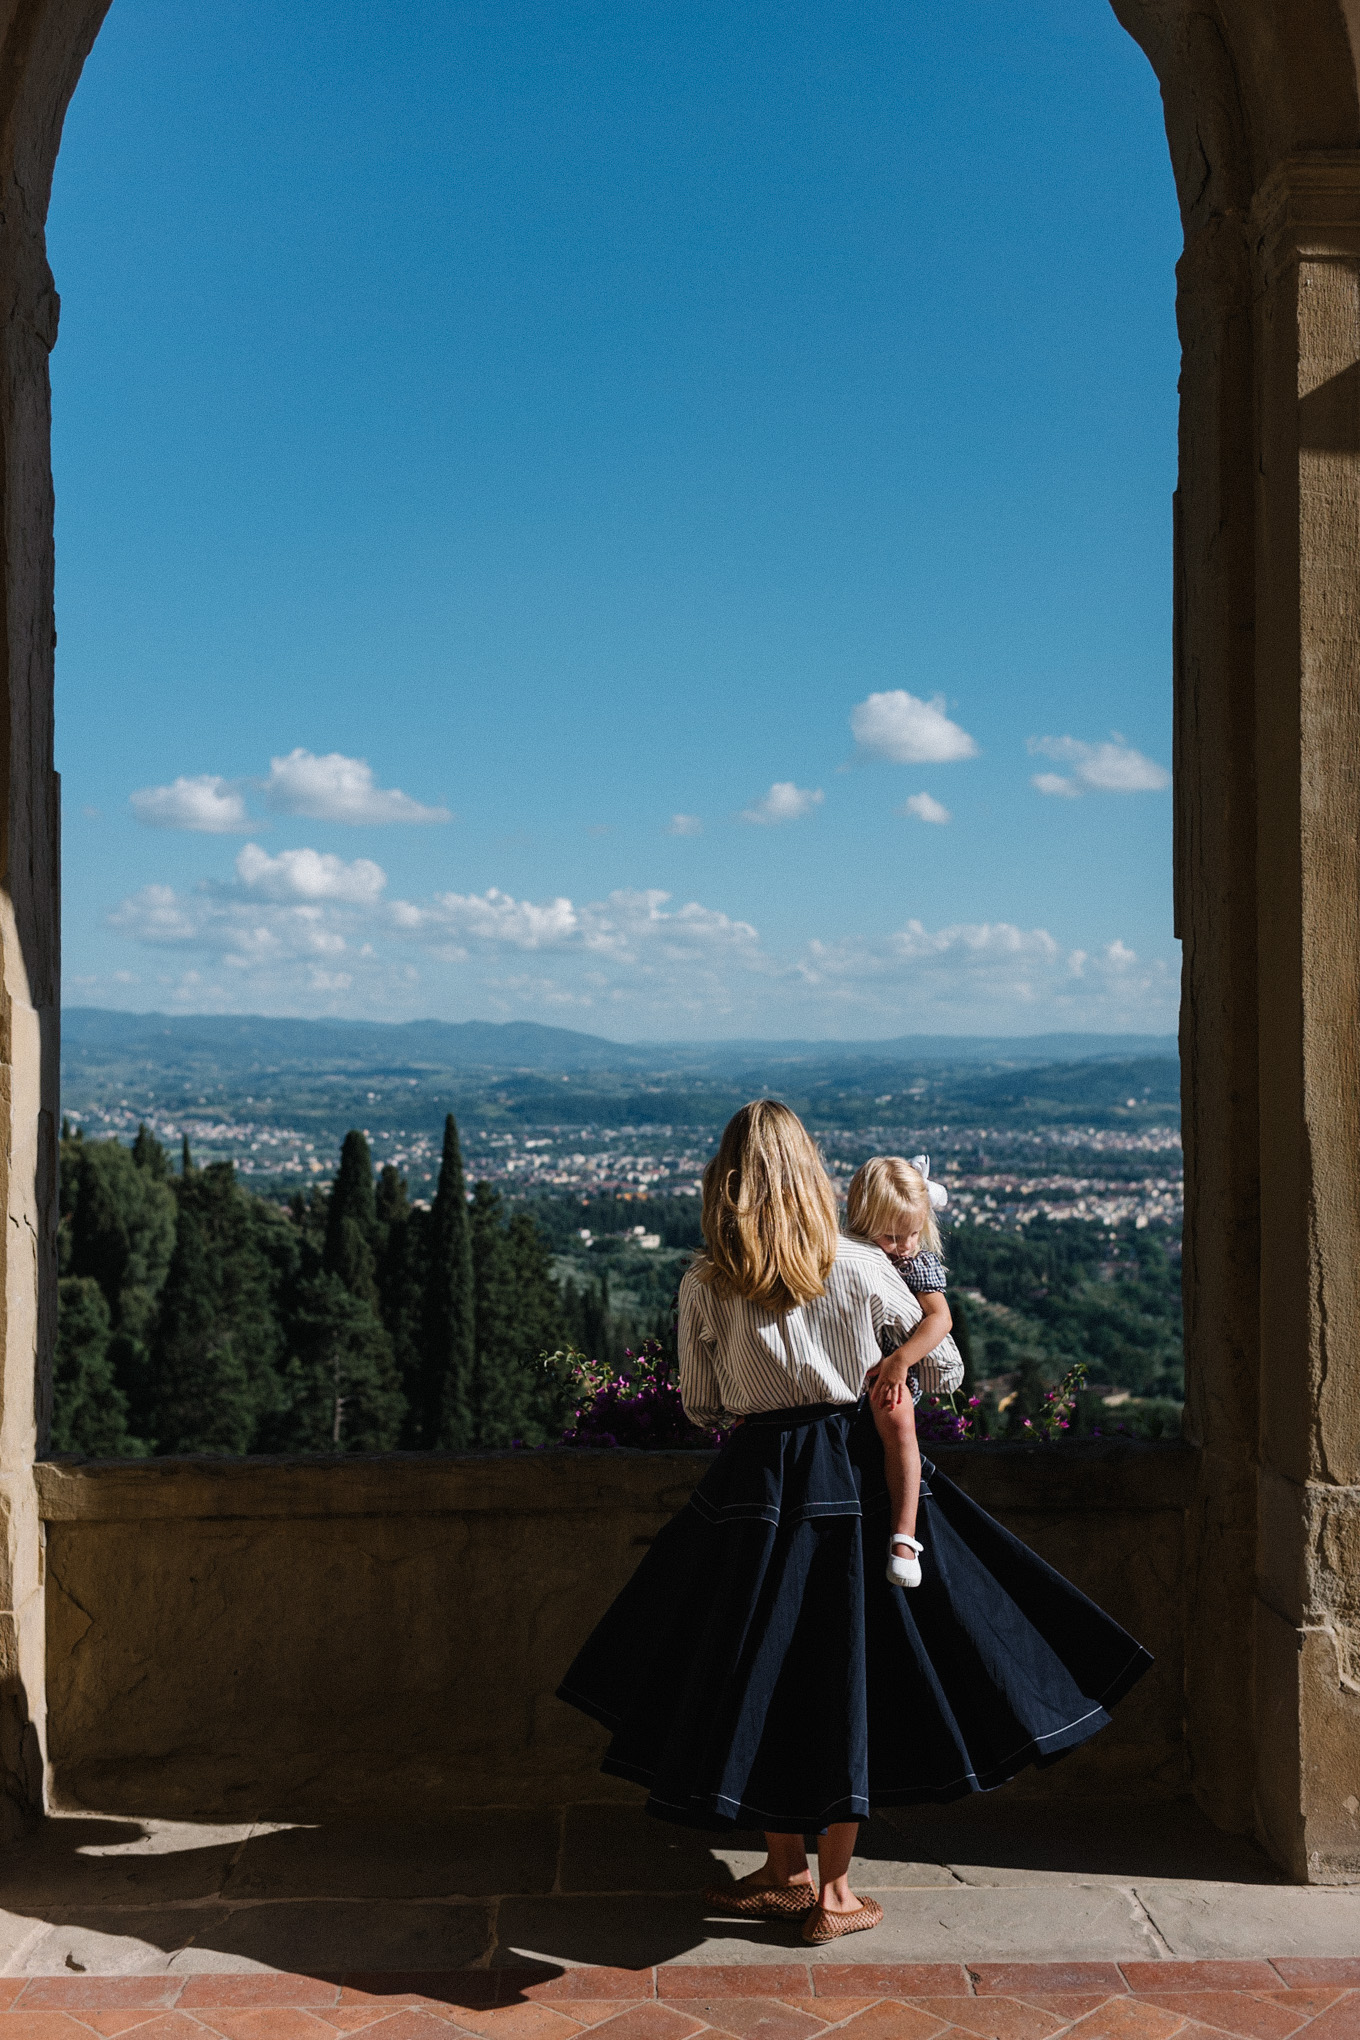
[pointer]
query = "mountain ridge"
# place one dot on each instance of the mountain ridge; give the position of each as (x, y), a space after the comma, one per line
(524, 1045)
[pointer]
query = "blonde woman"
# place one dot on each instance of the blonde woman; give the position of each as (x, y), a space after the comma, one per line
(755, 1673)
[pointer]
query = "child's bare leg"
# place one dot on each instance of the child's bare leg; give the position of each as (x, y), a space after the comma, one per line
(901, 1463)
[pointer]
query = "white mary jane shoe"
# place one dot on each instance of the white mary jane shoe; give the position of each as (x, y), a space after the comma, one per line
(904, 1569)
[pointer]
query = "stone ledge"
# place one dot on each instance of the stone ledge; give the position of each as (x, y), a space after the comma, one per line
(1106, 1477)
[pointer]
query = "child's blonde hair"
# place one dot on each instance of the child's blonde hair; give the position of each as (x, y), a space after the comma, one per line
(769, 1211)
(889, 1196)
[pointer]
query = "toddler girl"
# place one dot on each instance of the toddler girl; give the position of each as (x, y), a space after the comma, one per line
(892, 1202)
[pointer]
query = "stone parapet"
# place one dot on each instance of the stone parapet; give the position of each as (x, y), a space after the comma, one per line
(302, 1638)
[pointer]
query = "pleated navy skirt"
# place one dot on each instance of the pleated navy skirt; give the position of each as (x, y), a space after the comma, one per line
(759, 1671)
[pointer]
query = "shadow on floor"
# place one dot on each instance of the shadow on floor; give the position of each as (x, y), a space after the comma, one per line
(501, 1887)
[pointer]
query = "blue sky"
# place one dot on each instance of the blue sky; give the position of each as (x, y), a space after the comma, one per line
(543, 486)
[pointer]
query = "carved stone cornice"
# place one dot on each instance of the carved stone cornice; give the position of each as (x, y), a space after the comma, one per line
(1307, 208)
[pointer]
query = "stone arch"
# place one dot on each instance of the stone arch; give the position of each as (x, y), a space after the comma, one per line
(1263, 122)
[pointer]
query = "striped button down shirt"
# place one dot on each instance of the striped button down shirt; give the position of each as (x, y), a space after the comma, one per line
(738, 1357)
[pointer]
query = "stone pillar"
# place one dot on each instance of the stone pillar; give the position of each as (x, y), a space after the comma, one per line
(1215, 859)
(1306, 1645)
(43, 44)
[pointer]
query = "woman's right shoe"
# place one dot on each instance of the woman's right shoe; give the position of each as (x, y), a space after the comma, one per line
(753, 1901)
(821, 1925)
(904, 1568)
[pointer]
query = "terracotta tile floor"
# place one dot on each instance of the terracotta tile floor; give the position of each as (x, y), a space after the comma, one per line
(1251, 2000)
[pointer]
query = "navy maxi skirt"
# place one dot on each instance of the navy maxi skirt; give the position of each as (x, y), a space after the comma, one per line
(759, 1671)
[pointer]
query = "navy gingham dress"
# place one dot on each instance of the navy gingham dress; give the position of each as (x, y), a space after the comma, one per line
(759, 1671)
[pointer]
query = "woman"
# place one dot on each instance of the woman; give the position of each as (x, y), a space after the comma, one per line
(755, 1671)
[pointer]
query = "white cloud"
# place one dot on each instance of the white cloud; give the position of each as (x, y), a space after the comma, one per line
(684, 825)
(613, 927)
(309, 875)
(495, 917)
(155, 914)
(339, 789)
(207, 804)
(977, 975)
(907, 731)
(1113, 767)
(784, 802)
(307, 932)
(926, 808)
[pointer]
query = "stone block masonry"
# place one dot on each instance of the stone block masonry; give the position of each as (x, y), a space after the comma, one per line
(281, 1639)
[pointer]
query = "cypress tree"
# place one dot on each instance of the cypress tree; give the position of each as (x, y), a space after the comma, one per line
(148, 1154)
(540, 1325)
(118, 1229)
(200, 1393)
(402, 1279)
(344, 1395)
(253, 1257)
(352, 1222)
(497, 1386)
(446, 1413)
(186, 1160)
(89, 1410)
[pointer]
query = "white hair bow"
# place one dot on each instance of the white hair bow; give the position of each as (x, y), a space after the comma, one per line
(936, 1192)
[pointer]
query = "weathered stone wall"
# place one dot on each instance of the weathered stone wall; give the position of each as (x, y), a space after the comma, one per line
(307, 1637)
(43, 44)
(1263, 119)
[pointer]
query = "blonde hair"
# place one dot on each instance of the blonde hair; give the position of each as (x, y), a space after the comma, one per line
(889, 1196)
(769, 1211)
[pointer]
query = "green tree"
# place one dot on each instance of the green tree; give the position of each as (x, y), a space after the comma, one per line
(341, 1380)
(446, 1385)
(148, 1154)
(222, 1317)
(200, 1393)
(497, 1384)
(538, 1326)
(118, 1215)
(351, 1250)
(403, 1275)
(89, 1410)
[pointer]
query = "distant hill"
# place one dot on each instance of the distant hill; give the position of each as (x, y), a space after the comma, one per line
(321, 1076)
(240, 1044)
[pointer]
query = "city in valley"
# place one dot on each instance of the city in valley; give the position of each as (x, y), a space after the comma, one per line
(582, 1160)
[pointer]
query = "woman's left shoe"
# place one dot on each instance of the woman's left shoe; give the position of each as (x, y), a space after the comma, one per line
(904, 1568)
(821, 1925)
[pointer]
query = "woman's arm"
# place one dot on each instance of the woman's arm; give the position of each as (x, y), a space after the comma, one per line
(699, 1390)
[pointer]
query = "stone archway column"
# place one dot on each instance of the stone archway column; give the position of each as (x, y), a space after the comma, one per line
(1306, 1674)
(43, 44)
(1215, 900)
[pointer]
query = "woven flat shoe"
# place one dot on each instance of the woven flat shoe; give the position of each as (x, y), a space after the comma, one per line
(821, 1925)
(761, 1901)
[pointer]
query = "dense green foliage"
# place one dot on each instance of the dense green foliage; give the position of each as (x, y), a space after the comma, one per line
(1056, 1294)
(195, 1317)
(1027, 1303)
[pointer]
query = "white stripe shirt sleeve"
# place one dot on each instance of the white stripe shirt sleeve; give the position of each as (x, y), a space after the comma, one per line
(941, 1372)
(699, 1390)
